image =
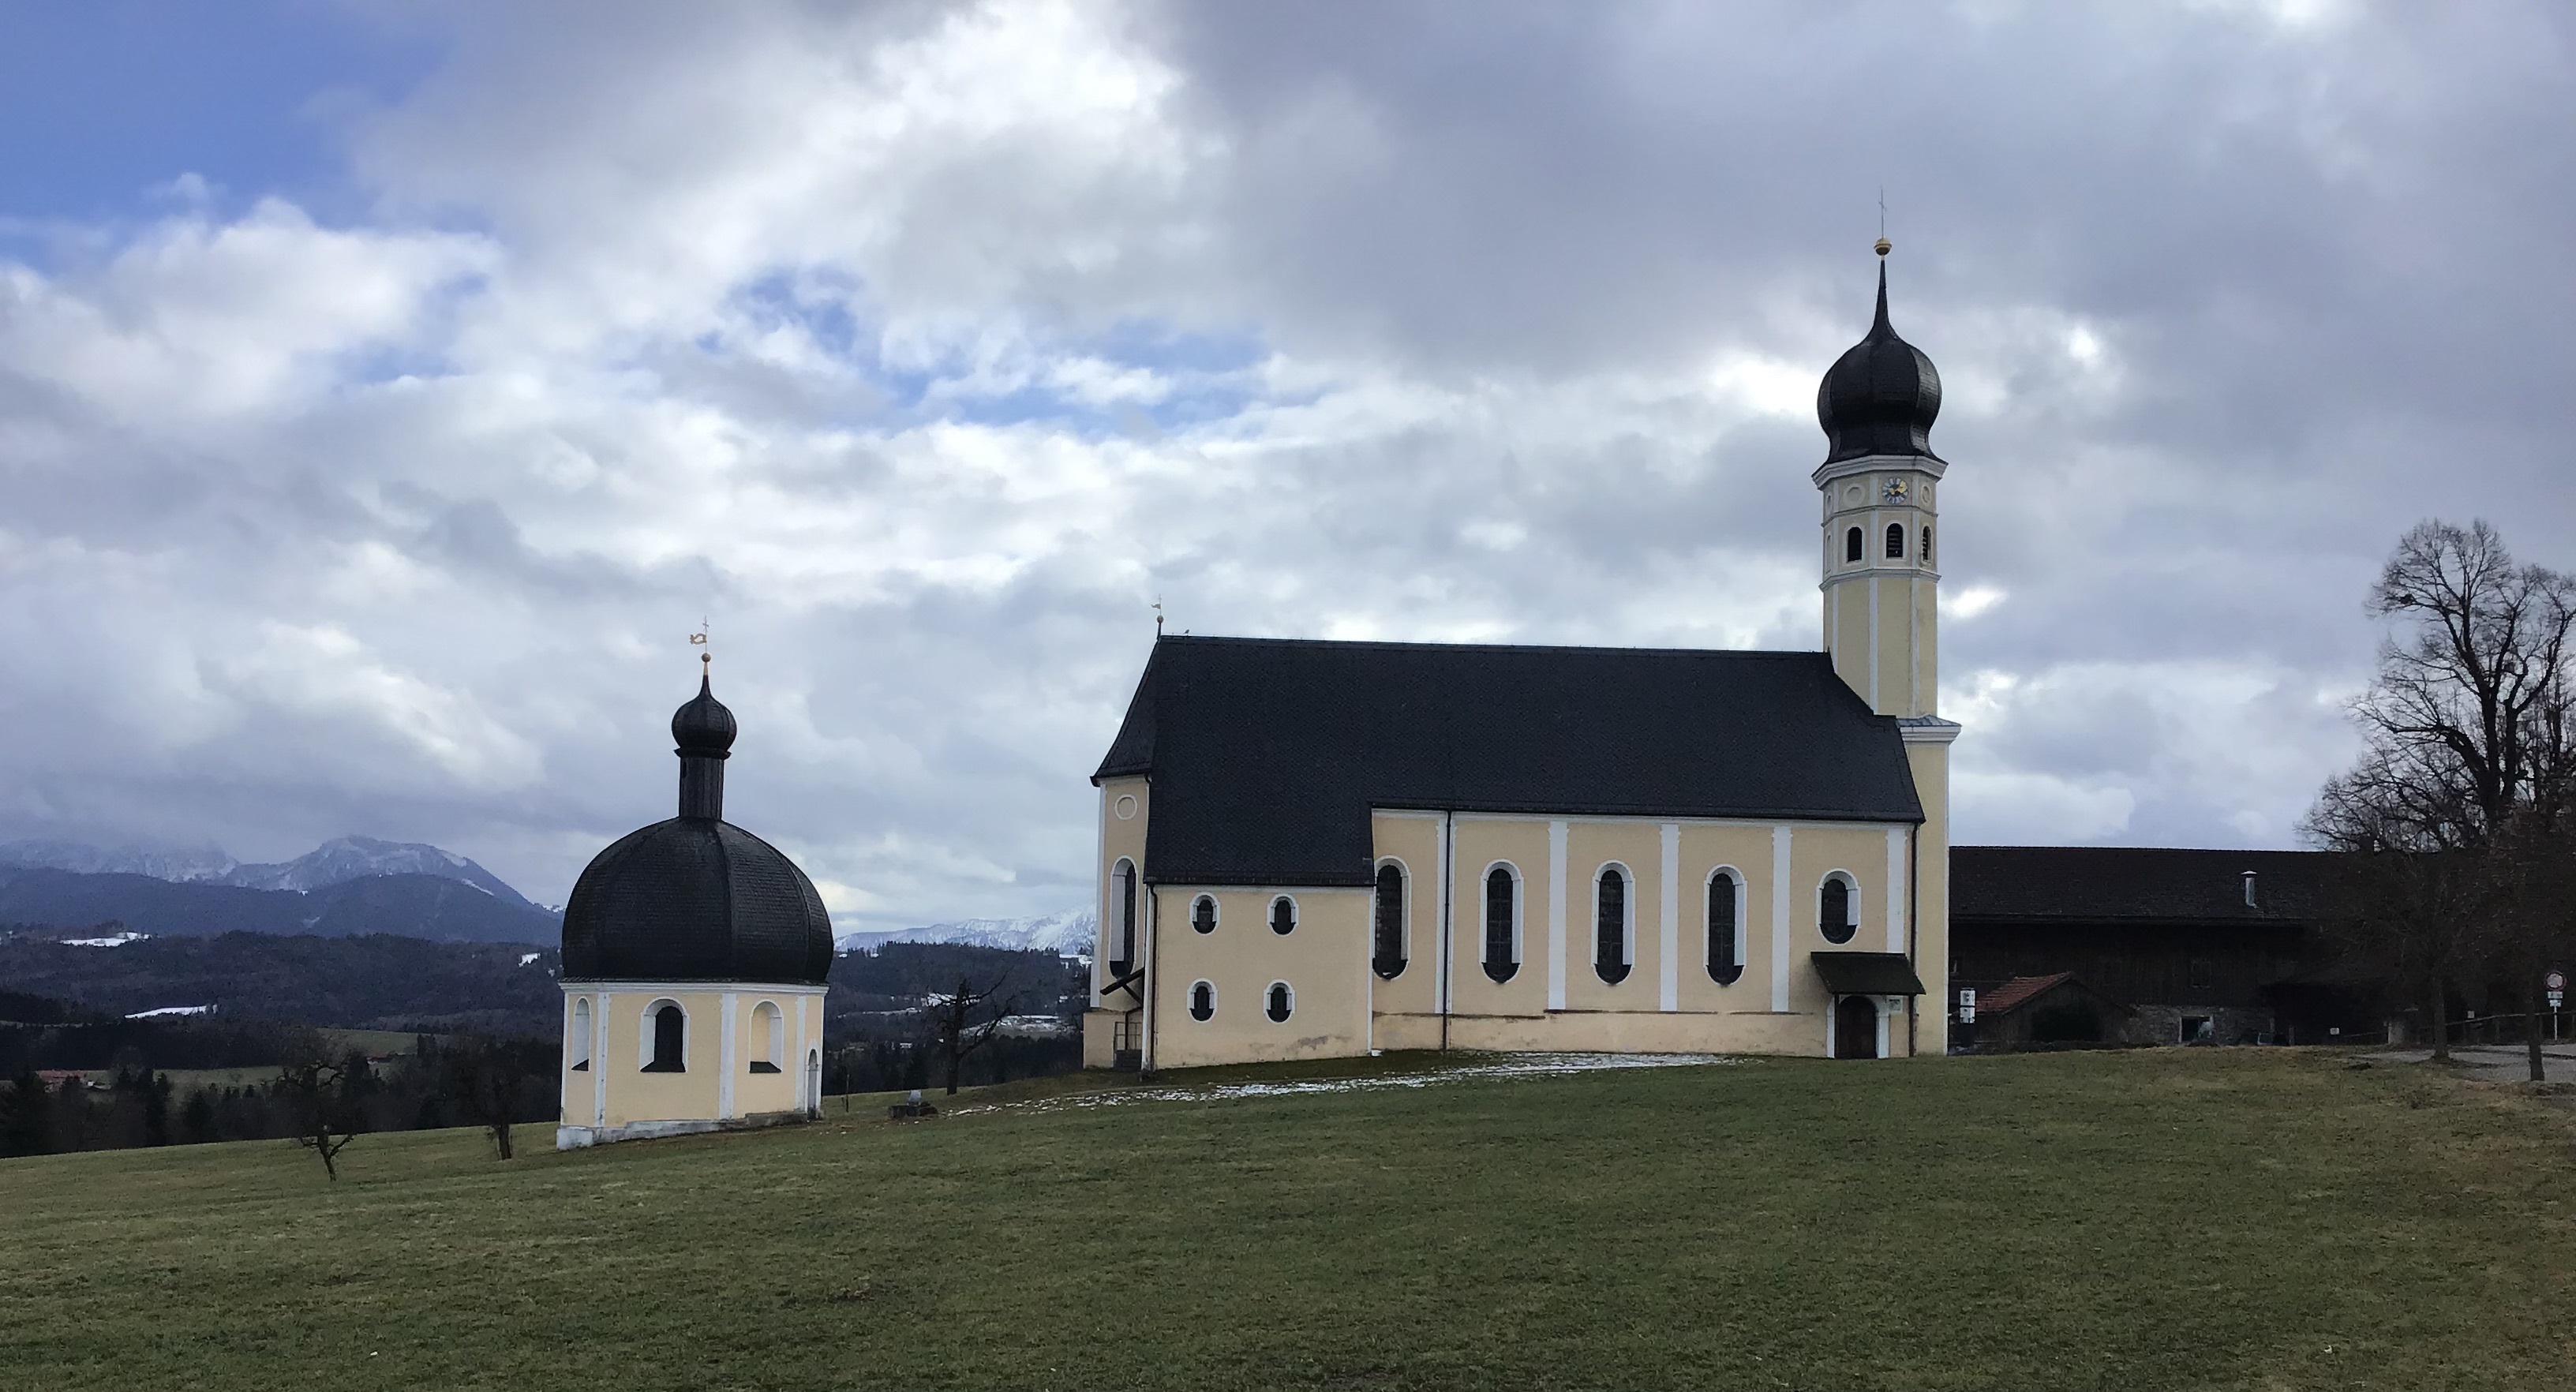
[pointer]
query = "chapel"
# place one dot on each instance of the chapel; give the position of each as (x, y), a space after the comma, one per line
(1311, 848)
(694, 960)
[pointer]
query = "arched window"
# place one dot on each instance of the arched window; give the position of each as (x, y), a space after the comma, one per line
(667, 1037)
(1725, 953)
(1851, 545)
(1834, 909)
(1202, 999)
(1122, 894)
(1386, 953)
(1610, 925)
(1203, 914)
(768, 1038)
(579, 1044)
(1927, 543)
(1282, 1001)
(1283, 915)
(1502, 948)
(1896, 541)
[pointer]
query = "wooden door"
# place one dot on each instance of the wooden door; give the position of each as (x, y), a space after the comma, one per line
(1855, 1027)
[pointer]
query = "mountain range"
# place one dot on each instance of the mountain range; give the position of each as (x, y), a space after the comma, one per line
(1068, 934)
(333, 862)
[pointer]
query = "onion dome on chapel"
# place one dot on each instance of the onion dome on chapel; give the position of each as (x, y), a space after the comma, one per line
(696, 898)
(1881, 395)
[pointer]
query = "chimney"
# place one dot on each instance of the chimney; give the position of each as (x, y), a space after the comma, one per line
(2249, 889)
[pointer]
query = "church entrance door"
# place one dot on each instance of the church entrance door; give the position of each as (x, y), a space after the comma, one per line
(1855, 1027)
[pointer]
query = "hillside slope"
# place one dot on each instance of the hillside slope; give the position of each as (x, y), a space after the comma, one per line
(2171, 1219)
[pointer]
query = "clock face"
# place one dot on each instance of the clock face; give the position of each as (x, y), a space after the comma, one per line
(1895, 491)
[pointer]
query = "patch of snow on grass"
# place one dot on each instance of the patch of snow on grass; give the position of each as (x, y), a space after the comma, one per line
(1495, 1066)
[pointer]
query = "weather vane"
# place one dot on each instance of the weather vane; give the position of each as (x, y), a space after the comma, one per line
(1883, 243)
(699, 640)
(1158, 616)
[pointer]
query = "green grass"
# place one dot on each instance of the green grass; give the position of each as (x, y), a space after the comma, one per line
(2167, 1219)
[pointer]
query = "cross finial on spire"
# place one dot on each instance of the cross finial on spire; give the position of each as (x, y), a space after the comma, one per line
(1158, 616)
(707, 659)
(1883, 244)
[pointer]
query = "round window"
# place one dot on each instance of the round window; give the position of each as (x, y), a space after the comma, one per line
(1282, 1001)
(1126, 806)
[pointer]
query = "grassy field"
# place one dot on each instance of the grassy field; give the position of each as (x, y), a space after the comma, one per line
(2164, 1219)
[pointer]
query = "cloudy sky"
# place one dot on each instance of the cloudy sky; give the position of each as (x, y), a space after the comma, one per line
(388, 390)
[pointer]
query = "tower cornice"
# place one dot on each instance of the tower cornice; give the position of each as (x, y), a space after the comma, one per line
(1878, 464)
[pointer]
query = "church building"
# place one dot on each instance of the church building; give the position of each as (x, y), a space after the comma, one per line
(1311, 849)
(694, 958)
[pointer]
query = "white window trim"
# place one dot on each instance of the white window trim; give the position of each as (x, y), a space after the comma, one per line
(1270, 914)
(644, 1035)
(1216, 913)
(1627, 926)
(1851, 906)
(1743, 905)
(1520, 910)
(1189, 1002)
(772, 1050)
(578, 1034)
(1114, 925)
(1904, 543)
(1292, 1001)
(1403, 911)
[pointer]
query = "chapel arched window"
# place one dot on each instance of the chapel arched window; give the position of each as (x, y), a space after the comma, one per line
(670, 1039)
(1834, 910)
(1851, 545)
(768, 1038)
(1725, 963)
(579, 1045)
(1386, 952)
(1896, 541)
(1610, 926)
(1122, 949)
(1502, 954)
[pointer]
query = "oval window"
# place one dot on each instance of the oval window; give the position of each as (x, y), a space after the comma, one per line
(1202, 1000)
(1203, 915)
(1283, 915)
(1282, 1001)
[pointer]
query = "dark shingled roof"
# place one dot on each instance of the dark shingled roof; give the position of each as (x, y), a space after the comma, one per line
(1867, 973)
(2102, 884)
(1267, 754)
(695, 899)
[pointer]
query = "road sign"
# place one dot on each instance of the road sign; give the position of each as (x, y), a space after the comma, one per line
(2557, 981)
(2557, 999)
(1967, 1005)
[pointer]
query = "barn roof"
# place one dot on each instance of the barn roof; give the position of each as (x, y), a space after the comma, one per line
(1268, 754)
(2104, 884)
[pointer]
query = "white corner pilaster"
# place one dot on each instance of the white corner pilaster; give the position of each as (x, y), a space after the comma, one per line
(726, 1062)
(1556, 915)
(1896, 889)
(1669, 944)
(599, 1059)
(1780, 918)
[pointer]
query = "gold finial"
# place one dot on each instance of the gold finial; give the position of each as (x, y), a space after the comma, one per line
(1883, 246)
(706, 660)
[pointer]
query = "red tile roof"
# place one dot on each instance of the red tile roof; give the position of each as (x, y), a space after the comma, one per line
(2018, 992)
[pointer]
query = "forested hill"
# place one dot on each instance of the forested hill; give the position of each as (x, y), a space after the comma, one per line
(378, 981)
(416, 906)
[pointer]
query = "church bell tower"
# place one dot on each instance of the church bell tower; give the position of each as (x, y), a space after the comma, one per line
(1881, 547)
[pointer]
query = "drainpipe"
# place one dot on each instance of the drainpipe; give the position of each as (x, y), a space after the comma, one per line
(1145, 987)
(1448, 929)
(1914, 937)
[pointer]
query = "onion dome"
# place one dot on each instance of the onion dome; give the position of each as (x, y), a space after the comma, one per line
(696, 898)
(1881, 396)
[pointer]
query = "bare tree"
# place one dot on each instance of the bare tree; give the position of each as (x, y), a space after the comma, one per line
(2467, 729)
(316, 1097)
(955, 1031)
(2531, 871)
(489, 1082)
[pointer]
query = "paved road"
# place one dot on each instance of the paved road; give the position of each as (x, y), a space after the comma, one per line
(2497, 1063)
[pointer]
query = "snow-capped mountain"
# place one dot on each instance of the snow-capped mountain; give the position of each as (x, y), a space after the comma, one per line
(333, 862)
(1069, 934)
(161, 863)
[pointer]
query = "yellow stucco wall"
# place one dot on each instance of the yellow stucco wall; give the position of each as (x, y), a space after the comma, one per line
(1323, 960)
(716, 1082)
